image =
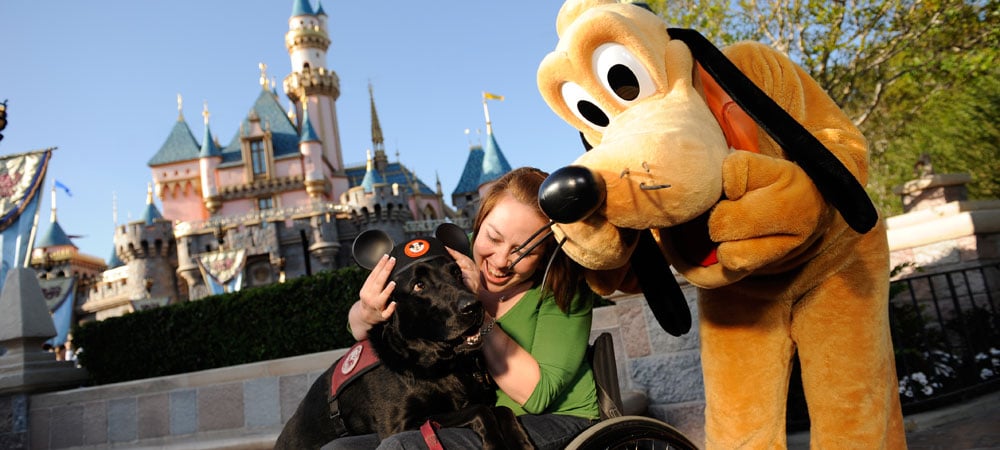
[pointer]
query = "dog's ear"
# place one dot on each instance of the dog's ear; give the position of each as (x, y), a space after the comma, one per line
(390, 335)
(454, 237)
(369, 247)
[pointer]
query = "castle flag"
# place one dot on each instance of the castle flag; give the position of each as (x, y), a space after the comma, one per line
(64, 188)
(21, 177)
(489, 96)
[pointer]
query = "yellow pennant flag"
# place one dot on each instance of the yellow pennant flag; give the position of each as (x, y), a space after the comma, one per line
(489, 96)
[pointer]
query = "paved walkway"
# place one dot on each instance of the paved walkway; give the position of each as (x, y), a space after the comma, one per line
(974, 424)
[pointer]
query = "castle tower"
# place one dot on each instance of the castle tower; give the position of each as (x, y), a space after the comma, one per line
(312, 154)
(65, 274)
(465, 197)
(494, 163)
(149, 252)
(177, 174)
(313, 87)
(208, 161)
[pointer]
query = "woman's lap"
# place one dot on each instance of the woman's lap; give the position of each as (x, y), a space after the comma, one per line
(547, 431)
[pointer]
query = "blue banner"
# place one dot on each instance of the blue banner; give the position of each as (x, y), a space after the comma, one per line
(21, 177)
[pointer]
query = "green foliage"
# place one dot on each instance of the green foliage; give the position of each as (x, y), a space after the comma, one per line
(304, 315)
(917, 76)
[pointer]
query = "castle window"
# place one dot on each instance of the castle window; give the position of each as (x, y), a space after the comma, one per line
(265, 203)
(258, 158)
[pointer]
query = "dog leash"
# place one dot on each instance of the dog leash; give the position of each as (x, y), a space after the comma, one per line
(429, 432)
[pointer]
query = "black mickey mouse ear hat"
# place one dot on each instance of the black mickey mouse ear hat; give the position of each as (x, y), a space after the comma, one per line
(370, 245)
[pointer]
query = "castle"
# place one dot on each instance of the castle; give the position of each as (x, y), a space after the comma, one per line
(277, 202)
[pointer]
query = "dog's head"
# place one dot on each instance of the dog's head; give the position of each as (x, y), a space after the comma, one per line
(437, 318)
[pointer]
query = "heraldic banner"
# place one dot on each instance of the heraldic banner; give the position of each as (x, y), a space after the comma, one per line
(21, 179)
(60, 297)
(223, 270)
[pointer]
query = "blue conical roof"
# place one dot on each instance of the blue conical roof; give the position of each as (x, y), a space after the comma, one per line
(319, 9)
(301, 8)
(372, 177)
(114, 261)
(150, 214)
(469, 182)
(179, 146)
(54, 236)
(494, 163)
(308, 133)
(208, 147)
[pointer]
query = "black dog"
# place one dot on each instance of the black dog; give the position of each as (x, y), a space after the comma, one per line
(430, 369)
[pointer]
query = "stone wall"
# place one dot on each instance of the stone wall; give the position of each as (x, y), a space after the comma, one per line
(665, 369)
(245, 406)
(234, 407)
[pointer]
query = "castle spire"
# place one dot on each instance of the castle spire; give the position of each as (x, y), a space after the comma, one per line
(495, 164)
(180, 107)
(308, 134)
(263, 75)
(486, 110)
(53, 217)
(208, 146)
(378, 142)
(372, 177)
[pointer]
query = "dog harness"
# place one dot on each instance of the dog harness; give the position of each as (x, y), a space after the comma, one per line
(358, 360)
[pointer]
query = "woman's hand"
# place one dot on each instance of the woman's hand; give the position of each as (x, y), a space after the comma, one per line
(470, 273)
(373, 307)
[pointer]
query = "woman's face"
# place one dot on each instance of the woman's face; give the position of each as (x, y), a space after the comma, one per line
(503, 229)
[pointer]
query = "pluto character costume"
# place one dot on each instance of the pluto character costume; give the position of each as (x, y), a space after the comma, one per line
(741, 171)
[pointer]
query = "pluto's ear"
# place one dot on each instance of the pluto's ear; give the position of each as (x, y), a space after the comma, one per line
(834, 181)
(369, 247)
(453, 237)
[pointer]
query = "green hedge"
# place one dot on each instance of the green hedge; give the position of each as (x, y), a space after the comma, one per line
(304, 315)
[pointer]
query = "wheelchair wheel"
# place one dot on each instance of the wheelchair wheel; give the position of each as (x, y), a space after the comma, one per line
(631, 433)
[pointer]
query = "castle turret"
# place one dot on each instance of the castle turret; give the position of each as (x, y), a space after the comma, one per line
(313, 87)
(208, 162)
(148, 250)
(312, 154)
(494, 163)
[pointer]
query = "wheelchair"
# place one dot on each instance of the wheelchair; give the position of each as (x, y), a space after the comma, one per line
(617, 431)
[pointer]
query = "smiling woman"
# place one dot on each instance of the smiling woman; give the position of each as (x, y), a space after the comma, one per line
(536, 334)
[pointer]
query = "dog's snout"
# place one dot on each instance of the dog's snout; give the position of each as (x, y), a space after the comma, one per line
(468, 304)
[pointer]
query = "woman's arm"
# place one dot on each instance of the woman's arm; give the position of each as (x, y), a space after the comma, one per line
(371, 308)
(514, 370)
(557, 349)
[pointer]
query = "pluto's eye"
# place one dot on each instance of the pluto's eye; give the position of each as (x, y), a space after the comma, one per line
(622, 74)
(584, 106)
(418, 286)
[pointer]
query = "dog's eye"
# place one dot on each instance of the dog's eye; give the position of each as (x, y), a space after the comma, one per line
(418, 286)
(583, 105)
(622, 74)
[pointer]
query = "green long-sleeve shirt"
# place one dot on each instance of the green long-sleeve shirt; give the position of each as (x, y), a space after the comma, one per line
(558, 341)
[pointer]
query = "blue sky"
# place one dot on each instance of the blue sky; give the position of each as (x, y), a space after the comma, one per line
(99, 80)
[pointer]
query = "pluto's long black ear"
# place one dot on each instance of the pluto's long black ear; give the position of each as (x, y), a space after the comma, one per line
(369, 247)
(454, 237)
(665, 298)
(837, 185)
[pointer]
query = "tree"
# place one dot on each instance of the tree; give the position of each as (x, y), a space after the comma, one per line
(885, 62)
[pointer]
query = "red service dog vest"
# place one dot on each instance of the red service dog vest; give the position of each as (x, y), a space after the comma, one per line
(358, 360)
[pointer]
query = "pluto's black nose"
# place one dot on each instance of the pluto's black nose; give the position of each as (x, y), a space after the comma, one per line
(571, 194)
